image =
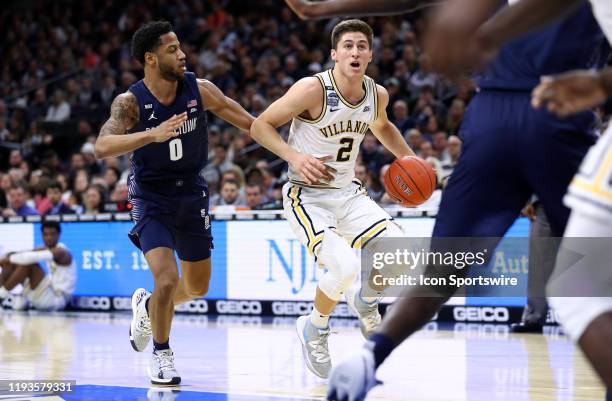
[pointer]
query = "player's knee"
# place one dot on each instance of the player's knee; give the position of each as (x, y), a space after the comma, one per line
(197, 290)
(166, 284)
(341, 262)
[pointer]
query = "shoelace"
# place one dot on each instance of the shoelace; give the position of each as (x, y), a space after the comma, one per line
(322, 346)
(144, 325)
(166, 361)
(371, 319)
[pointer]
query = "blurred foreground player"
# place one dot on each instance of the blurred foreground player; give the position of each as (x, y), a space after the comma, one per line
(50, 290)
(162, 120)
(501, 166)
(326, 206)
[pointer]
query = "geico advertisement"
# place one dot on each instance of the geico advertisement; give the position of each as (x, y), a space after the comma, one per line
(265, 260)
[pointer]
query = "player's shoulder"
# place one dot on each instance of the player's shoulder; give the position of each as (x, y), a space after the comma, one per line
(126, 99)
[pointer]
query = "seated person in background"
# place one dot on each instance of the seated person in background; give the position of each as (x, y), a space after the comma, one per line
(54, 194)
(44, 291)
(17, 203)
(229, 195)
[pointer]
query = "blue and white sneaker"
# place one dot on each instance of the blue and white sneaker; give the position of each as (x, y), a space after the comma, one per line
(314, 346)
(140, 328)
(353, 378)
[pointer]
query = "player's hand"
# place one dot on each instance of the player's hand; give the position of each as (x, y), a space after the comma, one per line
(168, 129)
(353, 378)
(569, 93)
(312, 169)
(529, 211)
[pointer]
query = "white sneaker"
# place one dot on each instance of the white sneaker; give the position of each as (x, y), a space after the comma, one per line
(140, 328)
(368, 314)
(314, 346)
(161, 368)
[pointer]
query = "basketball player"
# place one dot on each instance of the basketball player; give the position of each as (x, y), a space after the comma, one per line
(490, 184)
(43, 291)
(308, 9)
(162, 120)
(328, 209)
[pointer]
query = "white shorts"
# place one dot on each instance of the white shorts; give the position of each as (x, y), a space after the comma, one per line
(45, 297)
(349, 210)
(590, 198)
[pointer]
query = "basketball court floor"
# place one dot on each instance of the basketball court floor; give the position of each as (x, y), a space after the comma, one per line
(246, 358)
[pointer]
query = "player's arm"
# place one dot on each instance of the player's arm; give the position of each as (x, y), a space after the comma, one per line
(58, 254)
(573, 92)
(306, 94)
(113, 141)
(386, 132)
(522, 17)
(223, 107)
(307, 9)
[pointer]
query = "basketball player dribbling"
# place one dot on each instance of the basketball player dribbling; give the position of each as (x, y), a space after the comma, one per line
(326, 206)
(162, 120)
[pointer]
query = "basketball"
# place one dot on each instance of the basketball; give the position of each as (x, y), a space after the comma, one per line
(410, 180)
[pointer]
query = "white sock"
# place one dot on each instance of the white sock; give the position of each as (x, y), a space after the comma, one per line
(3, 292)
(318, 319)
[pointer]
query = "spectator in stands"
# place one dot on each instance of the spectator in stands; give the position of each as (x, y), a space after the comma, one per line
(454, 151)
(59, 111)
(414, 138)
(439, 144)
(455, 116)
(54, 194)
(425, 150)
(400, 116)
(93, 200)
(229, 195)
(254, 198)
(111, 177)
(43, 291)
(17, 202)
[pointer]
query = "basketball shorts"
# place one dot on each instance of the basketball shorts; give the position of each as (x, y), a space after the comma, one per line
(349, 210)
(172, 215)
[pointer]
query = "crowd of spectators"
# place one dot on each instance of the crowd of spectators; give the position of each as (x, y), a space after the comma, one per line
(64, 62)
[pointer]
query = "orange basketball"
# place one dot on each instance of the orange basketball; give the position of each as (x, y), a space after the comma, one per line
(410, 180)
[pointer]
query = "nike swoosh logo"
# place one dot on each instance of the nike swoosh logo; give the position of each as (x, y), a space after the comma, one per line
(332, 110)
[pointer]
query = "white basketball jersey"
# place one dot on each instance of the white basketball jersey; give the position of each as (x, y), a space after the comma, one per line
(602, 10)
(63, 278)
(337, 131)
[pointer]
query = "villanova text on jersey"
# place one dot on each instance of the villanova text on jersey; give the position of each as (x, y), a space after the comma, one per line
(179, 158)
(355, 127)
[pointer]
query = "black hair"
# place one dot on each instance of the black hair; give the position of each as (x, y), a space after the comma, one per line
(146, 38)
(54, 185)
(51, 224)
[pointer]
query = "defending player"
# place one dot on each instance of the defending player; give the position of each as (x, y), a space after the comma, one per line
(162, 120)
(330, 113)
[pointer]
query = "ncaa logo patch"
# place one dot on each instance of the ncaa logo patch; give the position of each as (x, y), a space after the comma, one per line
(332, 99)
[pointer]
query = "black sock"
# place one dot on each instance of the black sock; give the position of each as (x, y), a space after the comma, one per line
(161, 346)
(609, 395)
(381, 346)
(147, 304)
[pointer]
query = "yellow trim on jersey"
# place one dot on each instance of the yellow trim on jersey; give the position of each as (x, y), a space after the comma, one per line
(375, 99)
(373, 232)
(323, 110)
(346, 102)
(313, 238)
(596, 186)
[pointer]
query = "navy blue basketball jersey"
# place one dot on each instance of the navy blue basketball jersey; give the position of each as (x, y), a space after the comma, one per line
(182, 157)
(576, 42)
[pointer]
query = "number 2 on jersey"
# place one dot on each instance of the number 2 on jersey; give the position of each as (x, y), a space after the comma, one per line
(344, 153)
(176, 149)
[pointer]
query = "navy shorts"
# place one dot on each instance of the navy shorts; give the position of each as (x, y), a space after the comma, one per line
(173, 215)
(511, 151)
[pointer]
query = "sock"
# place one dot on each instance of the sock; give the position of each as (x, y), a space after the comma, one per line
(381, 346)
(3, 292)
(147, 305)
(318, 319)
(609, 395)
(161, 346)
